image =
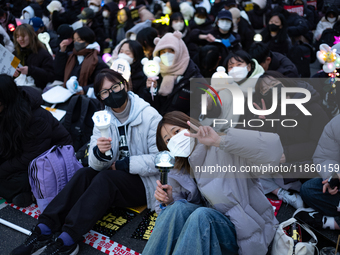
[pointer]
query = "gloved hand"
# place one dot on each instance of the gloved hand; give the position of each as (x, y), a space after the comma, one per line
(73, 85)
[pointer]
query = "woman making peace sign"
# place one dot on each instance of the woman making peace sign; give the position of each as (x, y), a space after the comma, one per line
(221, 212)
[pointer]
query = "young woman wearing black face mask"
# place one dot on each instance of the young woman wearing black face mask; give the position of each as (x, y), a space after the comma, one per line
(125, 179)
(84, 62)
(275, 35)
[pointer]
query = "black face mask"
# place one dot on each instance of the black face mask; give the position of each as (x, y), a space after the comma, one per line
(116, 100)
(79, 46)
(273, 28)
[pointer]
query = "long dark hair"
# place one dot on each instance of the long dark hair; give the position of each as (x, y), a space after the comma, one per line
(15, 118)
(179, 119)
(282, 35)
(138, 54)
(177, 16)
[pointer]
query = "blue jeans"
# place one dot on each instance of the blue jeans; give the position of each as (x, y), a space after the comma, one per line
(184, 228)
(325, 203)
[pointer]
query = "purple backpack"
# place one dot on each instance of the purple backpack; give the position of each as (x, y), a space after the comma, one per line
(49, 173)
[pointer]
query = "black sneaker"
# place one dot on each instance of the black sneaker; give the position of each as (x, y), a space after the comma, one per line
(34, 244)
(57, 247)
(310, 217)
(23, 199)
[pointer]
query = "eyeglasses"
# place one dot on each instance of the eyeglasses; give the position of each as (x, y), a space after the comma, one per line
(114, 88)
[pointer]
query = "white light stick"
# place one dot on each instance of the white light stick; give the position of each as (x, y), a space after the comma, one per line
(102, 120)
(45, 39)
(220, 79)
(151, 69)
(11, 225)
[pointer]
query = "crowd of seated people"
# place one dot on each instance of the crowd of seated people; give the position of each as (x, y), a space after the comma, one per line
(265, 49)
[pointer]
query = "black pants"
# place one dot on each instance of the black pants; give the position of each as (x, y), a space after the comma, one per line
(13, 185)
(86, 198)
(325, 203)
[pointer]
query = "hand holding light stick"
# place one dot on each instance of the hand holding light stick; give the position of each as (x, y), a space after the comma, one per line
(151, 69)
(102, 120)
(164, 162)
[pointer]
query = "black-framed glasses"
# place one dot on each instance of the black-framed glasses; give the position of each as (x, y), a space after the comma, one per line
(114, 88)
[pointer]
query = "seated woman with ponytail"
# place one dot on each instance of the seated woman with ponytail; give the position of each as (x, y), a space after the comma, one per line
(84, 63)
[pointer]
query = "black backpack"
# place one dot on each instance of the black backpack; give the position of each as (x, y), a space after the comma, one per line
(78, 119)
(302, 54)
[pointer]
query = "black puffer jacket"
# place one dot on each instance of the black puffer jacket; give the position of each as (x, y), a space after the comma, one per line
(282, 64)
(205, 26)
(259, 18)
(40, 67)
(47, 132)
(113, 8)
(138, 79)
(246, 32)
(296, 25)
(275, 45)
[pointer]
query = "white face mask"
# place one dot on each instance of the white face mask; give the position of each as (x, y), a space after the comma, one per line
(126, 57)
(181, 145)
(168, 58)
(26, 15)
(178, 26)
(225, 25)
(199, 21)
(133, 37)
(331, 20)
(166, 10)
(238, 72)
(106, 14)
(94, 8)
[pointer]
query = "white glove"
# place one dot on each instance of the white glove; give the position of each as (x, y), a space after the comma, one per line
(73, 85)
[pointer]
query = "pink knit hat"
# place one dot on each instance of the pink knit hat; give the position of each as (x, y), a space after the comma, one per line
(181, 60)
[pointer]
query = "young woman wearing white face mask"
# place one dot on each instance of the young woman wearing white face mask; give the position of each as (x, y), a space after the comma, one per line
(244, 70)
(177, 24)
(132, 52)
(201, 20)
(176, 70)
(327, 22)
(206, 213)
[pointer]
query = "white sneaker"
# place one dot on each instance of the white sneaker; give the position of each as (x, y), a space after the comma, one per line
(293, 199)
